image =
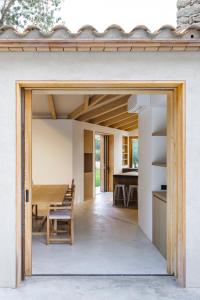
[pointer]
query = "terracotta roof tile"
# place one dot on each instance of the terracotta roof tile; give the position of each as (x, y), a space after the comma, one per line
(87, 37)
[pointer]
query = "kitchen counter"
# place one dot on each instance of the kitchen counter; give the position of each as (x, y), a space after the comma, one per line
(162, 195)
(129, 178)
(135, 173)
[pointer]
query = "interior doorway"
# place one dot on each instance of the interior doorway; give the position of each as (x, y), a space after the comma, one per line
(176, 135)
(99, 162)
(104, 162)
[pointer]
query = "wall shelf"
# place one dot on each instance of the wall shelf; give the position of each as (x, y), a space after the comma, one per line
(159, 164)
(125, 153)
(160, 133)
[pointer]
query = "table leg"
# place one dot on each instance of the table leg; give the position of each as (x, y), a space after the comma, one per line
(44, 219)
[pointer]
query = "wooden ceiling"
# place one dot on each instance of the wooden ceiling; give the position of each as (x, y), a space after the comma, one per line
(105, 110)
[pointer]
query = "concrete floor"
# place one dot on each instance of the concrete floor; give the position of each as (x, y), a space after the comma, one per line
(107, 241)
(100, 288)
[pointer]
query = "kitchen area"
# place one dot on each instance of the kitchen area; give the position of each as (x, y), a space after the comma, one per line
(125, 184)
(142, 183)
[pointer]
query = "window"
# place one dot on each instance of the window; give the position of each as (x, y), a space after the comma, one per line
(133, 144)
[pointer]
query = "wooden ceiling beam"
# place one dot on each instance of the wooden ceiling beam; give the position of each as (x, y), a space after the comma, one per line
(52, 108)
(130, 120)
(96, 112)
(83, 108)
(131, 128)
(101, 99)
(116, 119)
(131, 124)
(109, 115)
(96, 99)
(86, 103)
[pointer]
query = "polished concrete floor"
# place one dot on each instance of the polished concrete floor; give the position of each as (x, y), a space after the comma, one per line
(100, 288)
(107, 241)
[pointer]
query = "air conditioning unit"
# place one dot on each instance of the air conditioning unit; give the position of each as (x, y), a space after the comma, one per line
(137, 102)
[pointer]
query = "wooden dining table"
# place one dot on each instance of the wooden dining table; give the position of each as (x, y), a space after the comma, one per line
(45, 195)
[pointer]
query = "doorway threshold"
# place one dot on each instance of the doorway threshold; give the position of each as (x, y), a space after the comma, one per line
(101, 275)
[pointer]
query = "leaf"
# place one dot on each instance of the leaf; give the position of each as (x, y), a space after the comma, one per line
(31, 12)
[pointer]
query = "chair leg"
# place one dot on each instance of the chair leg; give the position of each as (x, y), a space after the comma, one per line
(129, 195)
(124, 196)
(115, 194)
(48, 225)
(55, 226)
(36, 210)
(72, 231)
(118, 193)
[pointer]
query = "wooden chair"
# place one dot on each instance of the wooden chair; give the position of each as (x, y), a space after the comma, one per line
(68, 195)
(69, 190)
(64, 213)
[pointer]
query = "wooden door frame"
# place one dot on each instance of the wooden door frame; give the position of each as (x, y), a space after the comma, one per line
(176, 133)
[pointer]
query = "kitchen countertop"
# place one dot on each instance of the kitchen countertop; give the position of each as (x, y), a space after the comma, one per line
(162, 195)
(127, 174)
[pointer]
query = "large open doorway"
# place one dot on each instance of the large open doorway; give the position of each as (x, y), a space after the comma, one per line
(175, 132)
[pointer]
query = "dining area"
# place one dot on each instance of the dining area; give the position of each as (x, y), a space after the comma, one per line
(53, 212)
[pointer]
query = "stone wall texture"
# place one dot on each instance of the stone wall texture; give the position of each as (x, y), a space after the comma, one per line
(188, 13)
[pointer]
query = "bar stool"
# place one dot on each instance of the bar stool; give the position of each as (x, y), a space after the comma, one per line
(120, 188)
(131, 190)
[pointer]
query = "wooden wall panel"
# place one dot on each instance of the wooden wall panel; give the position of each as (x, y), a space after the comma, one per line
(111, 162)
(88, 141)
(88, 164)
(102, 164)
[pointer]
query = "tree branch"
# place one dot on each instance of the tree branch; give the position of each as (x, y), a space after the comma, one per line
(6, 6)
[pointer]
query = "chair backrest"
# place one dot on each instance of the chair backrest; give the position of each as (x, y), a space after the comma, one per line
(73, 196)
(69, 200)
(72, 183)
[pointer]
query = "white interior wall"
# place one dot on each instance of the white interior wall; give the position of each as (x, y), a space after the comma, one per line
(141, 66)
(52, 151)
(134, 132)
(151, 148)
(159, 112)
(145, 171)
(159, 143)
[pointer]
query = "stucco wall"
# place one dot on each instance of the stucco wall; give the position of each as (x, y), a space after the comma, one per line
(96, 66)
(52, 151)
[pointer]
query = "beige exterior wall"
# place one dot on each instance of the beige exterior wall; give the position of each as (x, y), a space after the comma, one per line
(96, 66)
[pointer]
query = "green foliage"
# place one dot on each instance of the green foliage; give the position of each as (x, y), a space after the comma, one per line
(97, 155)
(97, 160)
(97, 148)
(23, 13)
(135, 152)
(97, 178)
